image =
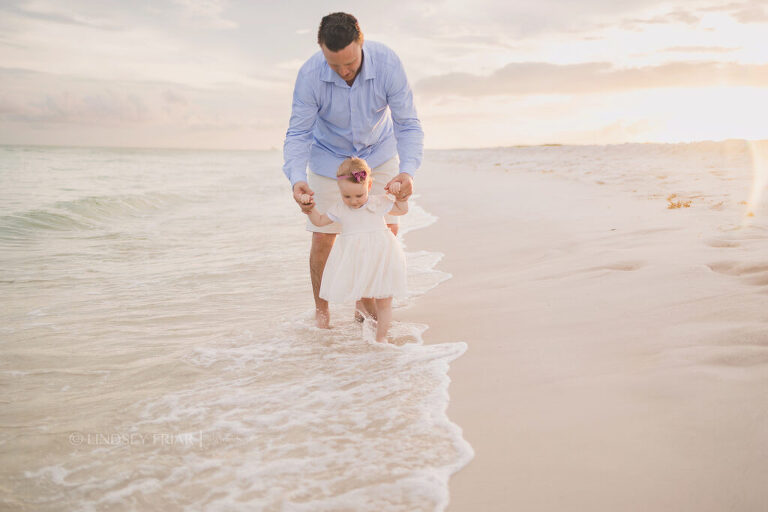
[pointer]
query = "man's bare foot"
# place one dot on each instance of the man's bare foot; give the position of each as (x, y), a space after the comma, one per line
(322, 319)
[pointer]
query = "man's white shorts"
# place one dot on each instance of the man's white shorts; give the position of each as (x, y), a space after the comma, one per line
(327, 192)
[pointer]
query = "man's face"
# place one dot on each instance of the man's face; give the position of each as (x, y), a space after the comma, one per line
(345, 62)
(354, 195)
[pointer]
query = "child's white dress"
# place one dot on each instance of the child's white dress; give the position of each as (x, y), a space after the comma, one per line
(366, 260)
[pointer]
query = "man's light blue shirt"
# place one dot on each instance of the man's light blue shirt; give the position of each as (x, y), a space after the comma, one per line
(374, 119)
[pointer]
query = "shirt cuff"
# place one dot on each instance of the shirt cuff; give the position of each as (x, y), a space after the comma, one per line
(297, 177)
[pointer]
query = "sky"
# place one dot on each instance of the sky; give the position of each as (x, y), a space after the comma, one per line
(219, 74)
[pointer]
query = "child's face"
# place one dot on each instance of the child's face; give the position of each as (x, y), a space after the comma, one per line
(354, 194)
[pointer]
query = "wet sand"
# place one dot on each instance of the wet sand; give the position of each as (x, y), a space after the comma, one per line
(618, 346)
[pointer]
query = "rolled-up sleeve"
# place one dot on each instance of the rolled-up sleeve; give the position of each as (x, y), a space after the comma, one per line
(407, 127)
(298, 138)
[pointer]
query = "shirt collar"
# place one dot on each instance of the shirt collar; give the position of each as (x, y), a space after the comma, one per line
(368, 71)
(365, 204)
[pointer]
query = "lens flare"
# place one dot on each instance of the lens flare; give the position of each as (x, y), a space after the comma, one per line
(759, 153)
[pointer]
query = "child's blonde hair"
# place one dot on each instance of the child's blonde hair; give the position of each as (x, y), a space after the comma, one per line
(355, 170)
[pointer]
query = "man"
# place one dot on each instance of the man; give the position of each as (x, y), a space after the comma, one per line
(351, 98)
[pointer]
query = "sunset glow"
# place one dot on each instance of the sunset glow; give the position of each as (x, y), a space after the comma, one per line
(759, 153)
(219, 74)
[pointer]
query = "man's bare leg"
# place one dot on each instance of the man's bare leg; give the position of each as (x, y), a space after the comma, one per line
(363, 308)
(318, 255)
(384, 309)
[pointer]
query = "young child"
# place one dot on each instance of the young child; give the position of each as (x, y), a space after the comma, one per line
(366, 261)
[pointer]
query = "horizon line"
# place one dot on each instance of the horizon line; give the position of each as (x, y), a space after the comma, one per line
(275, 149)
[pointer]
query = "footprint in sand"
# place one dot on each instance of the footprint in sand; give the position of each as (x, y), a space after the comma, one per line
(738, 269)
(402, 340)
(755, 274)
(746, 356)
(623, 266)
(726, 351)
(759, 280)
(720, 206)
(719, 243)
(627, 266)
(733, 357)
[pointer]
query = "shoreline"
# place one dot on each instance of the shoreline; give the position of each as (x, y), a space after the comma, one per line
(275, 149)
(614, 358)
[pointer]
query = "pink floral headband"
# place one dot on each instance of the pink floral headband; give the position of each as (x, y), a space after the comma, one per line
(357, 176)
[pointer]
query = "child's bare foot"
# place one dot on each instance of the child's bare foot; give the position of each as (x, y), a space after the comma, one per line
(322, 319)
(365, 308)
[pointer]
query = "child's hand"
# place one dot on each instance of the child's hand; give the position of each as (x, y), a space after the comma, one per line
(300, 192)
(401, 186)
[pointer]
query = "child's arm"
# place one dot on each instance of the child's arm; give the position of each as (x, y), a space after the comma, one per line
(317, 218)
(400, 207)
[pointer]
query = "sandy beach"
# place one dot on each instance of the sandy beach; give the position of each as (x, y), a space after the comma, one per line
(618, 345)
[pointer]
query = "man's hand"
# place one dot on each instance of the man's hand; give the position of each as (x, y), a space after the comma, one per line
(405, 183)
(302, 194)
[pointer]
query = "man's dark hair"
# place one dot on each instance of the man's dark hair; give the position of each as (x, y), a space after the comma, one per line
(337, 30)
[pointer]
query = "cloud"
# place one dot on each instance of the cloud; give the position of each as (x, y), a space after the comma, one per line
(751, 14)
(47, 108)
(531, 78)
(750, 11)
(495, 21)
(636, 24)
(180, 51)
(107, 106)
(56, 15)
(47, 98)
(207, 12)
(174, 98)
(678, 16)
(699, 49)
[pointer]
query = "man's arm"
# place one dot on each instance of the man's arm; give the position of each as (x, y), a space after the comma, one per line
(298, 138)
(407, 127)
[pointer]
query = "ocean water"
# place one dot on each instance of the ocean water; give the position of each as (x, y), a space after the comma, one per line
(158, 348)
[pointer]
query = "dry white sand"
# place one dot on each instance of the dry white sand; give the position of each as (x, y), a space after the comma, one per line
(618, 349)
